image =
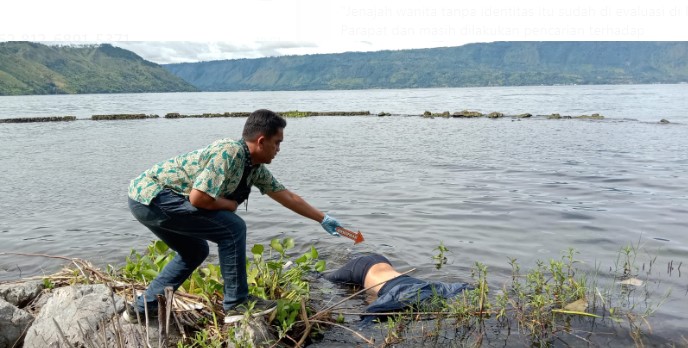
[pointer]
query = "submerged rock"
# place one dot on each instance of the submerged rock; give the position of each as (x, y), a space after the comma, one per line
(466, 113)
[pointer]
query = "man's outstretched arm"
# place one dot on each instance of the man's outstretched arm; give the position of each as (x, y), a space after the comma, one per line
(298, 205)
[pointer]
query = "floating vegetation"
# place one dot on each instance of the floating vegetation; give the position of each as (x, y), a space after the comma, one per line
(297, 113)
(429, 114)
(122, 117)
(208, 115)
(591, 117)
(38, 119)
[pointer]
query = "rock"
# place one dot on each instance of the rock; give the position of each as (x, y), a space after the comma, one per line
(20, 294)
(134, 335)
(495, 115)
(664, 120)
(13, 322)
(466, 113)
(382, 113)
(526, 115)
(256, 331)
(554, 116)
(74, 308)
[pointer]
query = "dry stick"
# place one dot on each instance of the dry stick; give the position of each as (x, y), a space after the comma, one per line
(345, 328)
(405, 313)
(41, 255)
(118, 327)
(162, 339)
(90, 342)
(145, 313)
(307, 330)
(62, 335)
(179, 326)
(82, 271)
(169, 295)
(103, 333)
(357, 293)
(117, 334)
(138, 318)
(23, 333)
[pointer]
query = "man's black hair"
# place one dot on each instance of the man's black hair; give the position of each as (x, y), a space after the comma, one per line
(264, 122)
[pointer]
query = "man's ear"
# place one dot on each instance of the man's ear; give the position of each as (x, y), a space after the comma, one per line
(260, 140)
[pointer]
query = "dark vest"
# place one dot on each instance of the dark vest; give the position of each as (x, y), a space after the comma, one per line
(242, 191)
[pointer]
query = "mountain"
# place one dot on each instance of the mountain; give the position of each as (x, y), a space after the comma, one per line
(33, 68)
(481, 64)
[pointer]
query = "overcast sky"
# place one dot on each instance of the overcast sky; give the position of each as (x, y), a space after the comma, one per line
(190, 31)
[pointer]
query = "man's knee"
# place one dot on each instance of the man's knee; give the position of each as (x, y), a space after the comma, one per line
(239, 227)
(197, 255)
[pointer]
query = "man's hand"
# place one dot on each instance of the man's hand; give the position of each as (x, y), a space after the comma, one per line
(330, 225)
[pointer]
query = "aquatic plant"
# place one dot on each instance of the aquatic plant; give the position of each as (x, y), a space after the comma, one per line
(553, 301)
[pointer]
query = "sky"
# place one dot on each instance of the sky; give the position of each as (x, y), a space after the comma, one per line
(174, 31)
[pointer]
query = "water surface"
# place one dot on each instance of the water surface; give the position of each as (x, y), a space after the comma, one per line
(489, 190)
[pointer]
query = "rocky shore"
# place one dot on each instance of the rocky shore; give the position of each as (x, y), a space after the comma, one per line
(63, 310)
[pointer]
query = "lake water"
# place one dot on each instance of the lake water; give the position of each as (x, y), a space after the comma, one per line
(488, 190)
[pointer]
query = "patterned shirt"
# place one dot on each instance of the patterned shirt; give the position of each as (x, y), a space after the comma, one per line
(215, 170)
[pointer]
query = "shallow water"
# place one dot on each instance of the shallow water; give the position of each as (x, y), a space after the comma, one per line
(488, 190)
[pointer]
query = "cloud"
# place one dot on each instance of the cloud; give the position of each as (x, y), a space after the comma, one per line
(165, 52)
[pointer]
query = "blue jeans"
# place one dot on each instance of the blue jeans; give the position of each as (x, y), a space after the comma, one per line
(186, 230)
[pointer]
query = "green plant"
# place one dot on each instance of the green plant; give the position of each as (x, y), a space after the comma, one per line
(48, 283)
(146, 267)
(279, 278)
(440, 259)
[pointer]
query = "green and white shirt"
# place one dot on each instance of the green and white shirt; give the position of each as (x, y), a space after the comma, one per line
(215, 170)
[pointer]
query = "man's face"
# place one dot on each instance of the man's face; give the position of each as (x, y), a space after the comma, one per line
(271, 146)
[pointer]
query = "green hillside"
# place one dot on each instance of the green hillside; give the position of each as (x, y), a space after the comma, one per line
(483, 64)
(33, 68)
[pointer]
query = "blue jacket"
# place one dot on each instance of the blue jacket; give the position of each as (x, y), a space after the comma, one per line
(404, 292)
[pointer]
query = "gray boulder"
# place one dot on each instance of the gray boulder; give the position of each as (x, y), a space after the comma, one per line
(78, 310)
(252, 333)
(13, 322)
(19, 294)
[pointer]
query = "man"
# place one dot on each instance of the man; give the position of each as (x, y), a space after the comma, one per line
(191, 199)
(394, 291)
